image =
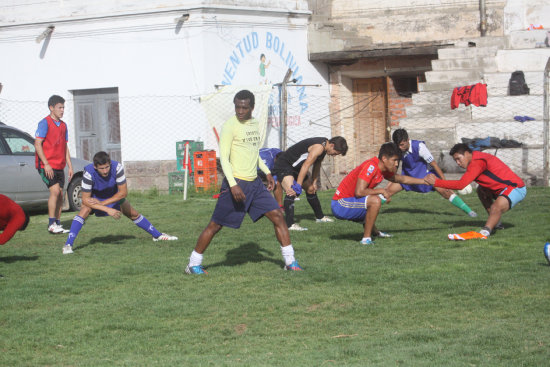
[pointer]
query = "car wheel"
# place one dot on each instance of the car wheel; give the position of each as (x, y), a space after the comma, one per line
(74, 194)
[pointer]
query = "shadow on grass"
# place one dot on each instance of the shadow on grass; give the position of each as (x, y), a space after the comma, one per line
(105, 240)
(12, 259)
(412, 211)
(247, 253)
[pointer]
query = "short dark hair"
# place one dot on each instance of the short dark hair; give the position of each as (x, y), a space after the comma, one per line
(459, 148)
(340, 144)
(55, 99)
(243, 95)
(101, 158)
(26, 223)
(388, 150)
(399, 135)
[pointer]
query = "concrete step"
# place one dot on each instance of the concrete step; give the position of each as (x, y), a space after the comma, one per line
(357, 42)
(437, 110)
(526, 60)
(444, 86)
(528, 133)
(500, 42)
(485, 63)
(437, 97)
(527, 39)
(506, 107)
(429, 123)
(453, 76)
(497, 83)
(465, 53)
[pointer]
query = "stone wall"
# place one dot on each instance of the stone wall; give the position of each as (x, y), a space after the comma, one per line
(145, 175)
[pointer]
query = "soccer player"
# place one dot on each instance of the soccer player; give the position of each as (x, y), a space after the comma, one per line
(417, 161)
(268, 156)
(242, 190)
(52, 154)
(12, 218)
(357, 198)
(499, 188)
(292, 171)
(104, 193)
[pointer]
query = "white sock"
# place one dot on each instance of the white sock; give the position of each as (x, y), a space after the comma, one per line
(288, 254)
(195, 258)
(366, 238)
(452, 197)
(485, 232)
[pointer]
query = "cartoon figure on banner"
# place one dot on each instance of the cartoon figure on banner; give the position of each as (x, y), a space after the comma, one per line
(263, 66)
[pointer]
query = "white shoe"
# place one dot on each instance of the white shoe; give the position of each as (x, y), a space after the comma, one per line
(63, 229)
(383, 234)
(67, 249)
(325, 219)
(55, 229)
(165, 237)
(296, 227)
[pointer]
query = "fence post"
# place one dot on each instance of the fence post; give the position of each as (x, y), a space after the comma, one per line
(284, 113)
(546, 119)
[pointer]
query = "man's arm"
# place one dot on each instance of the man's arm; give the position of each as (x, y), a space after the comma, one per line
(69, 163)
(314, 151)
(474, 169)
(362, 189)
(38, 148)
(407, 180)
(93, 203)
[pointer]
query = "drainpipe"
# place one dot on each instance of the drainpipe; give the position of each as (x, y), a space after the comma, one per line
(482, 18)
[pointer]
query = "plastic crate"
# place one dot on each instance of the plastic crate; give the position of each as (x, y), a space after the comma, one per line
(204, 160)
(206, 179)
(194, 146)
(176, 181)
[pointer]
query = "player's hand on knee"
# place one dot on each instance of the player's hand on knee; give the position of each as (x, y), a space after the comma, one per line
(114, 213)
(430, 179)
(296, 188)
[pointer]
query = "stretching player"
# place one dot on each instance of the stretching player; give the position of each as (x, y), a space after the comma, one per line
(104, 193)
(418, 162)
(242, 190)
(12, 219)
(499, 188)
(357, 199)
(292, 168)
(269, 156)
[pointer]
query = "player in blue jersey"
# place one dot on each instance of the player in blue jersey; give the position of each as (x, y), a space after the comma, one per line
(104, 193)
(268, 156)
(418, 162)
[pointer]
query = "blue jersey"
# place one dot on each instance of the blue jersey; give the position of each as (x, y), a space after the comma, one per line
(103, 187)
(415, 166)
(268, 156)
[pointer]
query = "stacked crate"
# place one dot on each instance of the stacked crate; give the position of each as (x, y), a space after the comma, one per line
(206, 170)
(176, 179)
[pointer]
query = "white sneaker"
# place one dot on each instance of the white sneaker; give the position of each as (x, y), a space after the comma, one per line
(63, 229)
(165, 237)
(296, 227)
(325, 219)
(383, 234)
(55, 229)
(67, 249)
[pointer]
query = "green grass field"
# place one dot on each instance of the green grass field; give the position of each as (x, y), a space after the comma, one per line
(416, 299)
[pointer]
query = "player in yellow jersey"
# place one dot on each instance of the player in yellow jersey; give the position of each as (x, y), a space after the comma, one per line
(242, 190)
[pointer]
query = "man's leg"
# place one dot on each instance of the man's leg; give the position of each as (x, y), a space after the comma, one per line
(195, 260)
(493, 208)
(55, 204)
(313, 200)
(76, 226)
(142, 222)
(288, 202)
(278, 193)
(283, 236)
(456, 201)
(373, 207)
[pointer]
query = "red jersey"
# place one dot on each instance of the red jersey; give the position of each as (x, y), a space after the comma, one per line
(488, 171)
(12, 218)
(54, 145)
(368, 171)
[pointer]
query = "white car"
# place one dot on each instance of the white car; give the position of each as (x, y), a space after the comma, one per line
(19, 179)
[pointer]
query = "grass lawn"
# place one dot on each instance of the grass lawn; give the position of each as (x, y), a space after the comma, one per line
(416, 299)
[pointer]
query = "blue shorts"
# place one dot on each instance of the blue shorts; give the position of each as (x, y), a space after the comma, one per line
(353, 209)
(101, 213)
(229, 213)
(515, 196)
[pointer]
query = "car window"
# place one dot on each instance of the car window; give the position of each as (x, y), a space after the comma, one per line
(18, 143)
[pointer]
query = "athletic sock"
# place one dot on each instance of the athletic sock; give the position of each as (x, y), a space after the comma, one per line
(51, 221)
(288, 204)
(315, 204)
(144, 224)
(460, 204)
(366, 238)
(195, 259)
(58, 222)
(288, 254)
(486, 231)
(76, 226)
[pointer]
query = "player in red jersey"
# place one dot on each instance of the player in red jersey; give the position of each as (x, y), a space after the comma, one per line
(499, 190)
(358, 200)
(12, 218)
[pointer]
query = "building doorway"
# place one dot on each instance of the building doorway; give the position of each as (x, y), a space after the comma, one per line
(370, 117)
(97, 122)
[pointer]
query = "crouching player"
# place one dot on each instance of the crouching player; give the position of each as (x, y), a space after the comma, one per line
(499, 190)
(358, 200)
(104, 193)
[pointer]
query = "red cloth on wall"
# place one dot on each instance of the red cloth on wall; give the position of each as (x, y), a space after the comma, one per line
(471, 94)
